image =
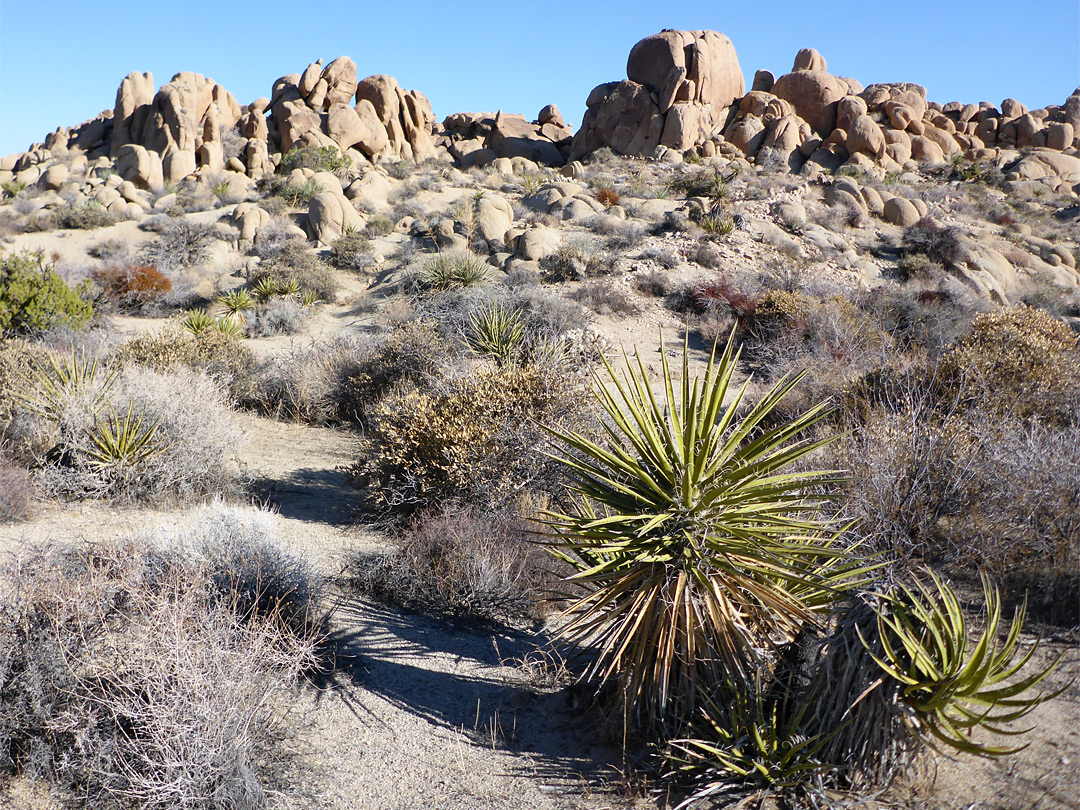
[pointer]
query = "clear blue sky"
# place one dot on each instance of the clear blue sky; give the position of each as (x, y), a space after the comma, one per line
(61, 61)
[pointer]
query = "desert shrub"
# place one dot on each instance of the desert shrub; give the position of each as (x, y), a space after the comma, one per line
(210, 351)
(654, 283)
(280, 316)
(299, 194)
(182, 244)
(132, 433)
(379, 226)
(316, 158)
(18, 359)
(460, 561)
(131, 680)
(33, 296)
(111, 250)
(734, 296)
(607, 197)
(663, 256)
(626, 235)
(351, 252)
(927, 237)
(476, 440)
(1021, 361)
(133, 286)
(604, 298)
(577, 259)
(708, 183)
(412, 354)
(84, 217)
(298, 264)
(16, 491)
(313, 384)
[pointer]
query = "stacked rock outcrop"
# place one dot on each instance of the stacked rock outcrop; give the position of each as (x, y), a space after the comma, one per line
(679, 86)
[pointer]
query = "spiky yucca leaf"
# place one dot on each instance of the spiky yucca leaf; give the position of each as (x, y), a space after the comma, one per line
(75, 376)
(496, 332)
(953, 687)
(266, 287)
(236, 301)
(229, 326)
(758, 739)
(122, 440)
(288, 286)
(697, 549)
(196, 321)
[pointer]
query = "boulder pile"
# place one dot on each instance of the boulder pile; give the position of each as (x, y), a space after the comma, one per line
(477, 139)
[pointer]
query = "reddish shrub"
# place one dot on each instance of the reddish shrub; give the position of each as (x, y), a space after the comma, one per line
(607, 197)
(724, 294)
(133, 286)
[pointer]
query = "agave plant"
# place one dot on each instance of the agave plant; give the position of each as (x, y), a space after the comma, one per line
(196, 321)
(952, 687)
(122, 440)
(496, 332)
(698, 551)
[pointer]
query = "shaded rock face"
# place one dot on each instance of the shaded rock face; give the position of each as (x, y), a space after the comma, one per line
(470, 137)
(678, 88)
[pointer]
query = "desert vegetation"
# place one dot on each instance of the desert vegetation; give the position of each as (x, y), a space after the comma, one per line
(745, 474)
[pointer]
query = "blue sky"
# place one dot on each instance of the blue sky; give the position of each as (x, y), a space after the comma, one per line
(61, 62)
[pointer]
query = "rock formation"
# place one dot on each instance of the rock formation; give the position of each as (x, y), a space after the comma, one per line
(678, 89)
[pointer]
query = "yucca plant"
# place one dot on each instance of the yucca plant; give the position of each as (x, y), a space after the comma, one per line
(287, 287)
(309, 298)
(75, 376)
(697, 550)
(236, 302)
(448, 271)
(196, 321)
(757, 740)
(229, 327)
(266, 287)
(122, 440)
(951, 686)
(496, 331)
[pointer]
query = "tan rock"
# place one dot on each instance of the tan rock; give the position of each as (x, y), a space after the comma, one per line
(133, 100)
(624, 118)
(494, 216)
(707, 57)
(309, 78)
(295, 119)
(54, 177)
(866, 137)
(925, 150)
(815, 96)
(249, 218)
(1059, 136)
(809, 59)
(899, 211)
(341, 84)
(330, 215)
(538, 243)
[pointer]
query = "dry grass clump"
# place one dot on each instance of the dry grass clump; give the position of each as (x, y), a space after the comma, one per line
(604, 298)
(182, 244)
(139, 675)
(16, 491)
(461, 561)
(475, 438)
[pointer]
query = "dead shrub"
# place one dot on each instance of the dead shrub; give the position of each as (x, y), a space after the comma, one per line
(313, 384)
(131, 679)
(16, 491)
(134, 286)
(604, 298)
(460, 561)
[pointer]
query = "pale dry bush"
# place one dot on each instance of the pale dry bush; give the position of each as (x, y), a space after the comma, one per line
(309, 384)
(135, 674)
(195, 435)
(16, 491)
(462, 561)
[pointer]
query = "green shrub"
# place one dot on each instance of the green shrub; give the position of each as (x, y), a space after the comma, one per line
(352, 251)
(451, 271)
(299, 194)
(316, 158)
(33, 297)
(84, 217)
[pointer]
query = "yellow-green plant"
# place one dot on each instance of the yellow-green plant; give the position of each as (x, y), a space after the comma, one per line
(952, 686)
(496, 331)
(448, 271)
(266, 287)
(229, 327)
(122, 440)
(697, 550)
(236, 302)
(197, 321)
(287, 287)
(76, 376)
